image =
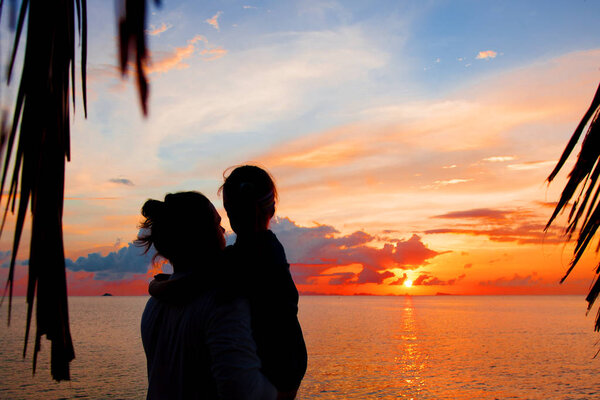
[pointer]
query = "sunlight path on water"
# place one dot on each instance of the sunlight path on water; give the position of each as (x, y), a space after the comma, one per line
(363, 348)
(411, 360)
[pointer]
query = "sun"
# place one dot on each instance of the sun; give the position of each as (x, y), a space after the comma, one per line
(408, 283)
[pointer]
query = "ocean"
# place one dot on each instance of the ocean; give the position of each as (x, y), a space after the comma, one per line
(360, 347)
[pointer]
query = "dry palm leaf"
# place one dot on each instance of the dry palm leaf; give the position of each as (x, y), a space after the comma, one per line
(586, 207)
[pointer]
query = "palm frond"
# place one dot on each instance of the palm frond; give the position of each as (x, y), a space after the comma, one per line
(132, 44)
(41, 131)
(586, 205)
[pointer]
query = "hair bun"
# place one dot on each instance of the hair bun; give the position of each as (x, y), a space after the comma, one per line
(153, 209)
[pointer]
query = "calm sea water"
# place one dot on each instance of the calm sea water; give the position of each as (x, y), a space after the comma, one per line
(446, 347)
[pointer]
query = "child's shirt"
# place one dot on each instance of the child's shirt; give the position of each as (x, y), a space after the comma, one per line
(262, 273)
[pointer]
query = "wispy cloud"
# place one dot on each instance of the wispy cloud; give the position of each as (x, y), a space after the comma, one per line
(532, 165)
(441, 183)
(486, 55)
(279, 84)
(214, 53)
(478, 213)
(176, 59)
(519, 226)
(393, 151)
(499, 158)
(122, 181)
(452, 181)
(214, 21)
(155, 31)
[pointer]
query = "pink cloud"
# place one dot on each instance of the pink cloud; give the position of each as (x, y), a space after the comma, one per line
(314, 250)
(214, 21)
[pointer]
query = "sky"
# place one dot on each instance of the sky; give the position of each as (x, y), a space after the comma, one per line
(410, 141)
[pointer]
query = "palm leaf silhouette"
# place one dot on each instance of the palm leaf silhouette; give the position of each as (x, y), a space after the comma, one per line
(586, 207)
(41, 131)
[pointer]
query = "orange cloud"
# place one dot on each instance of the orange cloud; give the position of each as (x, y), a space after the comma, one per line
(154, 31)
(175, 59)
(486, 55)
(322, 258)
(214, 53)
(426, 279)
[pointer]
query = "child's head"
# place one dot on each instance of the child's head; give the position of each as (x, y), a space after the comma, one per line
(184, 227)
(249, 196)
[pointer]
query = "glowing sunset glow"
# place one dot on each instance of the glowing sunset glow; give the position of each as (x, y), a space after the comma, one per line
(404, 143)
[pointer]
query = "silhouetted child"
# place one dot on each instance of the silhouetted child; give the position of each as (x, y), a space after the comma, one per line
(258, 260)
(258, 270)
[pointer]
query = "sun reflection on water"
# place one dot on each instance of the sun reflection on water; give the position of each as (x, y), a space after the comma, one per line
(411, 360)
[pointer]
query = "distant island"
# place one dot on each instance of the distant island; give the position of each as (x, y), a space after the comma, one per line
(107, 294)
(443, 294)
